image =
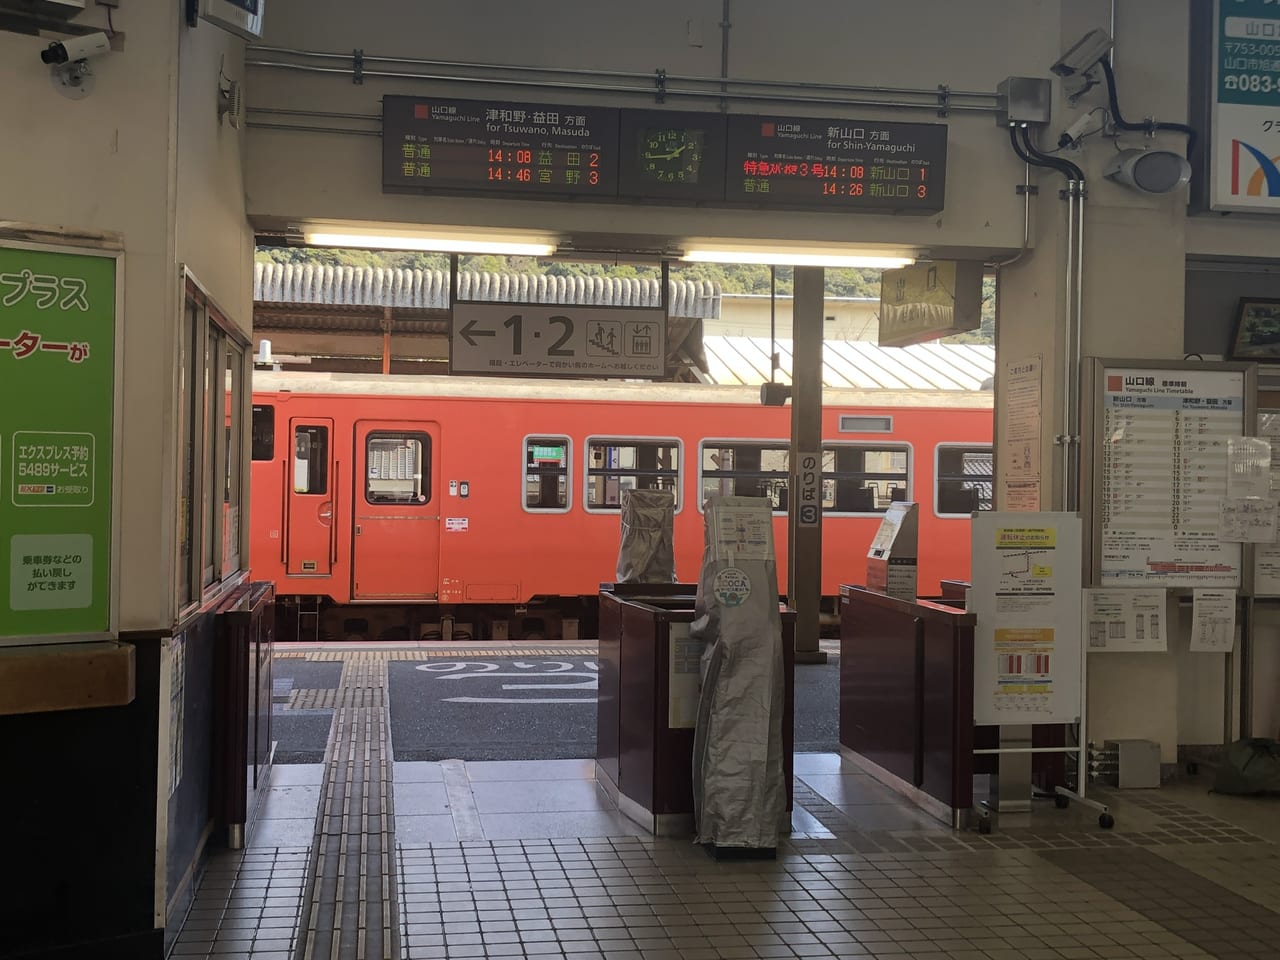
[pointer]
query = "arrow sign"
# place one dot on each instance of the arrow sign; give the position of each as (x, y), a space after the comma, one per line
(469, 332)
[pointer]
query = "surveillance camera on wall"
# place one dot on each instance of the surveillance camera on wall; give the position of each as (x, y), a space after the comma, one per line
(75, 49)
(1084, 54)
(1151, 171)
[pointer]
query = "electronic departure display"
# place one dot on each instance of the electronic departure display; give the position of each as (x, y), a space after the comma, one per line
(562, 150)
(671, 155)
(836, 164)
(493, 146)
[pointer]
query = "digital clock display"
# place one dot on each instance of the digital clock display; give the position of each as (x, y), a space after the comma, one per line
(503, 147)
(826, 164)
(672, 155)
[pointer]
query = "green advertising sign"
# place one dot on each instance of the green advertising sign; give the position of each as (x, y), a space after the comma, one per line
(57, 365)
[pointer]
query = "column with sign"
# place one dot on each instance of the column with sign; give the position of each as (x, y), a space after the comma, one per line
(809, 489)
(57, 357)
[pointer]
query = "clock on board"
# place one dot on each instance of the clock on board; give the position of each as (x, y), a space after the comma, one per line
(672, 154)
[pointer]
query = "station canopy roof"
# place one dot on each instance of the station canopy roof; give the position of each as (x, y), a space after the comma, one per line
(298, 297)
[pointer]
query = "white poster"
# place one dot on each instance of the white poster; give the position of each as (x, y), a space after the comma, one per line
(1126, 621)
(1026, 595)
(1247, 520)
(1021, 450)
(1164, 461)
(743, 534)
(1213, 621)
(683, 678)
(1266, 557)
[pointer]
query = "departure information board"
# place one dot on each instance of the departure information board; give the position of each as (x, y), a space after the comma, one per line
(499, 146)
(559, 151)
(836, 164)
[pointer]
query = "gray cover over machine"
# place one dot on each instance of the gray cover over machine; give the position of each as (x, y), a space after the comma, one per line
(739, 793)
(646, 553)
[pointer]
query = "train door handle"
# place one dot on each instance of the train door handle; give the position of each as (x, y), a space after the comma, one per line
(358, 530)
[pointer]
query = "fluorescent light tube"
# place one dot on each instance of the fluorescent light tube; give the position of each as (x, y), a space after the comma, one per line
(431, 244)
(796, 259)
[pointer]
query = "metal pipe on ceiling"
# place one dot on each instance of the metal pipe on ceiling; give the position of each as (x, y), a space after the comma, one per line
(646, 78)
(933, 107)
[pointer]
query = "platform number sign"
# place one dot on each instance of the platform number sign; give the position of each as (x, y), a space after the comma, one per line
(558, 340)
(809, 489)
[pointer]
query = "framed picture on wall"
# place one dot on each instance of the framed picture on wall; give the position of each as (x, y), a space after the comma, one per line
(1257, 331)
(241, 17)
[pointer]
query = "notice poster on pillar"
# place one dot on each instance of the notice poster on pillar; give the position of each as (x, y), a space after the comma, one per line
(1161, 475)
(1266, 556)
(57, 364)
(1026, 596)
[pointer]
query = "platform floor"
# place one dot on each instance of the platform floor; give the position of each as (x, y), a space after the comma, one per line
(529, 859)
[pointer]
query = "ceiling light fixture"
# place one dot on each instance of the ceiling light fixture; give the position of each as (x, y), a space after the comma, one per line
(796, 258)
(432, 244)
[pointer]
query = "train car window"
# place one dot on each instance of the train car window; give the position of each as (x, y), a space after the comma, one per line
(864, 478)
(264, 431)
(546, 474)
(617, 465)
(311, 460)
(398, 468)
(746, 469)
(964, 479)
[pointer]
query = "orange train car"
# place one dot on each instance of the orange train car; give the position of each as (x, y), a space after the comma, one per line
(401, 507)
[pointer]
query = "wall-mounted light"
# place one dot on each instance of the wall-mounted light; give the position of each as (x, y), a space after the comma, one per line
(428, 242)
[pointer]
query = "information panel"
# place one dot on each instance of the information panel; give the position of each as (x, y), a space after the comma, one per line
(497, 146)
(836, 164)
(1244, 141)
(1026, 593)
(1161, 477)
(57, 362)
(557, 340)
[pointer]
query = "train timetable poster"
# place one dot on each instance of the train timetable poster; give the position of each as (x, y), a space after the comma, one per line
(1161, 472)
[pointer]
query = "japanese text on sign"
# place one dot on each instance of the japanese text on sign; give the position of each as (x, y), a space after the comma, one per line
(809, 489)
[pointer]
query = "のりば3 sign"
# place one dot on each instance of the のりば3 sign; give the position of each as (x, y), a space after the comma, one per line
(57, 358)
(1244, 146)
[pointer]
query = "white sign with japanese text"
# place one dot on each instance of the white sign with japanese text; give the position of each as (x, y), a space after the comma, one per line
(809, 489)
(558, 340)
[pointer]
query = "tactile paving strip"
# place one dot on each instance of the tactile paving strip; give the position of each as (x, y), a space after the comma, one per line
(351, 884)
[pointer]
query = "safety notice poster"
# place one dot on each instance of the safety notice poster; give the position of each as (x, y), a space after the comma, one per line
(1164, 454)
(1026, 595)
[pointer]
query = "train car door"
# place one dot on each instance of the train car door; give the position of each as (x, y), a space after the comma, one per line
(396, 553)
(310, 492)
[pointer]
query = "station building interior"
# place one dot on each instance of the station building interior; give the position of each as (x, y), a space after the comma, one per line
(219, 738)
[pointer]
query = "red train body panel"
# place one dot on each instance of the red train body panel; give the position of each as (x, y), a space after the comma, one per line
(470, 491)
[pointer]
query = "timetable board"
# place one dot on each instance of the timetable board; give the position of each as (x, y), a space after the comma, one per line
(1160, 448)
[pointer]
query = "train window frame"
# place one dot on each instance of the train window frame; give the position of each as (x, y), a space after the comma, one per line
(619, 440)
(265, 441)
(324, 459)
(938, 479)
(894, 446)
(424, 477)
(567, 472)
(760, 442)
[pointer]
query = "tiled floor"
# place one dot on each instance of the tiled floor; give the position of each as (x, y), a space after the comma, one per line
(530, 860)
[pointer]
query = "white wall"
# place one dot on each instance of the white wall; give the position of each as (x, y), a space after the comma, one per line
(117, 162)
(914, 44)
(100, 164)
(213, 236)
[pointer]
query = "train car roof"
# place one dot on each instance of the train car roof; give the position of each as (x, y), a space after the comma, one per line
(397, 385)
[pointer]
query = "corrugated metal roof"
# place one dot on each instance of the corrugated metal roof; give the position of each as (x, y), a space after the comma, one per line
(429, 289)
(858, 364)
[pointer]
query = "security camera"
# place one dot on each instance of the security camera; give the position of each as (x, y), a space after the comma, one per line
(1084, 54)
(76, 48)
(1151, 171)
